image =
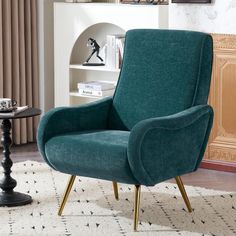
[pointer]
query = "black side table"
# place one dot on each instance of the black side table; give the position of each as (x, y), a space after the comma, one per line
(8, 197)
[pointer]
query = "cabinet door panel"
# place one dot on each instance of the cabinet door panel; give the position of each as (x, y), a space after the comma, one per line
(222, 143)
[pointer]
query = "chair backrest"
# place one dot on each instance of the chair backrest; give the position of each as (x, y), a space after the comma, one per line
(163, 72)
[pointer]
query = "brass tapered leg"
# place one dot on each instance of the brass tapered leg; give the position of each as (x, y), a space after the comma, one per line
(115, 187)
(183, 193)
(66, 194)
(137, 192)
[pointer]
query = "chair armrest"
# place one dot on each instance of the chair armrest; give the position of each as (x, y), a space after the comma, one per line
(165, 147)
(69, 119)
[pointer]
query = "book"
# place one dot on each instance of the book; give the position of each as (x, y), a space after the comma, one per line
(96, 85)
(14, 112)
(96, 93)
(119, 52)
(113, 50)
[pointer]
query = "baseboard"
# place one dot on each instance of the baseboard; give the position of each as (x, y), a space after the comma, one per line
(218, 165)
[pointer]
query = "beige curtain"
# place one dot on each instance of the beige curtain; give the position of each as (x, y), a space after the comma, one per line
(19, 74)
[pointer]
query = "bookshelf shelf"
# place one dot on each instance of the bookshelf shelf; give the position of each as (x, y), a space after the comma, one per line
(79, 73)
(76, 94)
(93, 68)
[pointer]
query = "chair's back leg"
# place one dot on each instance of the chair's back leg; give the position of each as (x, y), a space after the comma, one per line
(137, 192)
(115, 188)
(183, 193)
(66, 194)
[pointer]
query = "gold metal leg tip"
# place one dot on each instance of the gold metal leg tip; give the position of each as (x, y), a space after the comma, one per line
(190, 210)
(135, 228)
(115, 188)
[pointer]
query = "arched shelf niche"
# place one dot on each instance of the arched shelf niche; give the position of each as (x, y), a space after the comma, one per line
(98, 31)
(79, 54)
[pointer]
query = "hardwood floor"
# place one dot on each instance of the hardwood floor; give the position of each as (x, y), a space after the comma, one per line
(212, 179)
(25, 152)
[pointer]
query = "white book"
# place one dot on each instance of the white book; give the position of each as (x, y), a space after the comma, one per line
(97, 85)
(112, 49)
(94, 93)
(119, 51)
(121, 43)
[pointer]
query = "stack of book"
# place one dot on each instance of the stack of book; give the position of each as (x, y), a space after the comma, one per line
(115, 49)
(96, 88)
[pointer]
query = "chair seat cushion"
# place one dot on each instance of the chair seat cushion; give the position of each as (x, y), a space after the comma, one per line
(99, 154)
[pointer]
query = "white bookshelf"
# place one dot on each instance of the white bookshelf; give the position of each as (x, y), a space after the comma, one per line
(74, 23)
(76, 94)
(93, 68)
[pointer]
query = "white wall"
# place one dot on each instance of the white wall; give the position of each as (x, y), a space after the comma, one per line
(217, 17)
(46, 63)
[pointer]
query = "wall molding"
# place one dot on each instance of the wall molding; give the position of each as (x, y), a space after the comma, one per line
(218, 165)
(224, 41)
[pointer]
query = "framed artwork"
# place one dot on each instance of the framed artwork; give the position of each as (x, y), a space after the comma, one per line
(191, 1)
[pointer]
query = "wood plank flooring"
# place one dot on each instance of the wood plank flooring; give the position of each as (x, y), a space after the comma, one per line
(211, 179)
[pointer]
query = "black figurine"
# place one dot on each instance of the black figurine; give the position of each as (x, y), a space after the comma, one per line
(95, 49)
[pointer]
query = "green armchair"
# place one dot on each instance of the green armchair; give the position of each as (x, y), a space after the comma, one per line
(155, 127)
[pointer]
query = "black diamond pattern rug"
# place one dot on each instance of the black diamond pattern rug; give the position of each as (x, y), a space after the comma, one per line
(92, 209)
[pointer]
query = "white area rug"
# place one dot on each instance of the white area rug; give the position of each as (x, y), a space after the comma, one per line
(92, 209)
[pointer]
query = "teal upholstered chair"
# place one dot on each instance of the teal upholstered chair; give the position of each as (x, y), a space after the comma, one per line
(155, 127)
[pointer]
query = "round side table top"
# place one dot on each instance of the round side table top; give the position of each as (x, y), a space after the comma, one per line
(24, 114)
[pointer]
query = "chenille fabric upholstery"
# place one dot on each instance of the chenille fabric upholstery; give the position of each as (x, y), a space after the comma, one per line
(157, 124)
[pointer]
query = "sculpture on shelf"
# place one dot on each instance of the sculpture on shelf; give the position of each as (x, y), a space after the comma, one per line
(95, 49)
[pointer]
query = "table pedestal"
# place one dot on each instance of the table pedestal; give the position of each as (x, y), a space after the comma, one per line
(8, 197)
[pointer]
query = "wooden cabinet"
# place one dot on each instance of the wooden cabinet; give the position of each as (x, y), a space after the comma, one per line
(221, 149)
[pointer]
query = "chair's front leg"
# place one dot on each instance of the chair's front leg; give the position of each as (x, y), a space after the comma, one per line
(115, 188)
(183, 193)
(137, 192)
(66, 194)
